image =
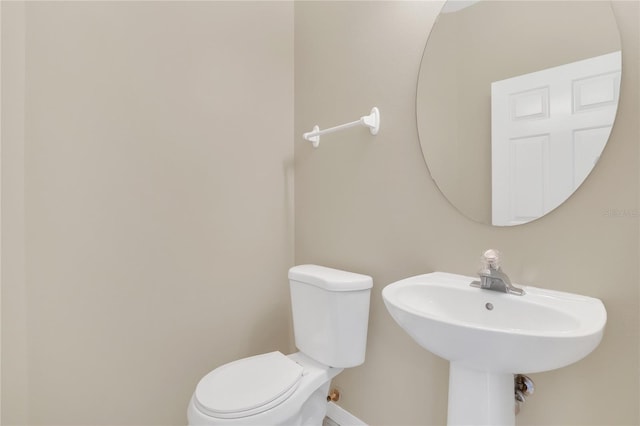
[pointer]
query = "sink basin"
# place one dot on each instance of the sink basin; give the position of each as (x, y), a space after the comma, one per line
(488, 336)
(487, 330)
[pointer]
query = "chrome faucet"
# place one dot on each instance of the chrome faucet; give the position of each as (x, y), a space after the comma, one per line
(492, 277)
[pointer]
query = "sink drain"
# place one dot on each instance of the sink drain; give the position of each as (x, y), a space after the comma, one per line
(489, 306)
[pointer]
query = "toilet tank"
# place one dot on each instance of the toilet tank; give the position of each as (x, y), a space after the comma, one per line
(330, 314)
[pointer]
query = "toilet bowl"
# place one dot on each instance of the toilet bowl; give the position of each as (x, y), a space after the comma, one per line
(294, 392)
(330, 315)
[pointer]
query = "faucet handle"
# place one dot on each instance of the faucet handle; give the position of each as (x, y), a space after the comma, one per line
(491, 259)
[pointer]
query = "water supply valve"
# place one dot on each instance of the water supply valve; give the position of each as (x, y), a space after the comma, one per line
(523, 387)
(334, 395)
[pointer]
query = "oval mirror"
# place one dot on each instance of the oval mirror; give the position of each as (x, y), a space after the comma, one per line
(515, 103)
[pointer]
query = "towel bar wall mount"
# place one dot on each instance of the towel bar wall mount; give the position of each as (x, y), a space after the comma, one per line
(372, 121)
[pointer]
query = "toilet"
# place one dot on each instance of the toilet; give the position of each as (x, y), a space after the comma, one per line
(330, 311)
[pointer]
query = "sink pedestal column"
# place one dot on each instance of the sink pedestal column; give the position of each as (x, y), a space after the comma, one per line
(480, 397)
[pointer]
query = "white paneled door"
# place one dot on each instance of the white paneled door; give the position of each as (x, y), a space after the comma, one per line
(548, 129)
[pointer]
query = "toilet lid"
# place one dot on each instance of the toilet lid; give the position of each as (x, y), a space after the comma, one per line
(248, 386)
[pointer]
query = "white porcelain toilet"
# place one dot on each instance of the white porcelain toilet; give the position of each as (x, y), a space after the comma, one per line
(330, 317)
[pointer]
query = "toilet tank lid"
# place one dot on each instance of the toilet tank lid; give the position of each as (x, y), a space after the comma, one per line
(330, 279)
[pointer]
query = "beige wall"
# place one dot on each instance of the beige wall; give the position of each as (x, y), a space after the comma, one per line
(157, 183)
(367, 204)
(13, 298)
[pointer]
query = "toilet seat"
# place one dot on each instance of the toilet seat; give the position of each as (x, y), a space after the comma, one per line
(248, 386)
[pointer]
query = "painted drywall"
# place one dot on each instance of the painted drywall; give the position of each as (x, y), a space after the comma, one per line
(156, 178)
(367, 204)
(13, 320)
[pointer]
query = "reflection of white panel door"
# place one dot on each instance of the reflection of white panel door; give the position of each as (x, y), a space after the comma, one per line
(548, 129)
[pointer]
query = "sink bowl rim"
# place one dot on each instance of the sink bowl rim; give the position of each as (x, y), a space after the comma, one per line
(586, 325)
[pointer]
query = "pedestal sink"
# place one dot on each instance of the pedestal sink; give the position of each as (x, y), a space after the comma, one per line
(489, 336)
